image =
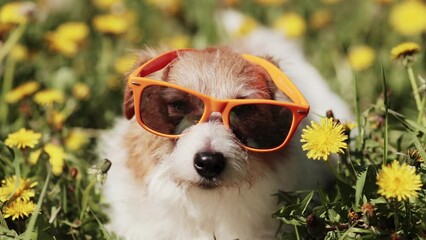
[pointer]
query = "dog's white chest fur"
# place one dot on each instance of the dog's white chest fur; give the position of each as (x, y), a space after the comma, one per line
(154, 196)
(158, 209)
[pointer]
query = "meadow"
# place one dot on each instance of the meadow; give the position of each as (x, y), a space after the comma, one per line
(62, 68)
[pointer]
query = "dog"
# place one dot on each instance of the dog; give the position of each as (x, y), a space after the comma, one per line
(205, 183)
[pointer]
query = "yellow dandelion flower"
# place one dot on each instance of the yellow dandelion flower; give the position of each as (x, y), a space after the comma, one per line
(271, 2)
(19, 52)
(180, 41)
(75, 31)
(81, 91)
(169, 6)
(247, 26)
(361, 57)
(323, 139)
(23, 190)
(320, 19)
(23, 139)
(75, 140)
(125, 63)
(34, 156)
(291, 24)
(398, 181)
(405, 49)
(18, 209)
(57, 119)
(56, 157)
(16, 12)
(408, 17)
(22, 91)
(49, 97)
(67, 37)
(58, 43)
(111, 24)
(106, 4)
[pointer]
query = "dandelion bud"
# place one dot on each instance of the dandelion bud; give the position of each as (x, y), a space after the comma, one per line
(367, 210)
(106, 165)
(395, 236)
(352, 215)
(315, 226)
(74, 172)
(329, 114)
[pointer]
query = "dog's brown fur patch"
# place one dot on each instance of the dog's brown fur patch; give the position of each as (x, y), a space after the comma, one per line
(144, 151)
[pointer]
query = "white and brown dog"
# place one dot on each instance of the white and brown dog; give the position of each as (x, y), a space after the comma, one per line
(205, 184)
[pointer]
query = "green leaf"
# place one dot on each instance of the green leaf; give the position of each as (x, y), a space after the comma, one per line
(3, 223)
(418, 145)
(306, 201)
(31, 224)
(5, 233)
(365, 185)
(359, 186)
(408, 124)
(6, 156)
(334, 216)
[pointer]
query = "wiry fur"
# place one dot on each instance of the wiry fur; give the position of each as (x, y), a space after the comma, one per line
(152, 187)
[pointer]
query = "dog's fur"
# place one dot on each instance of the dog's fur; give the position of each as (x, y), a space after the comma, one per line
(152, 187)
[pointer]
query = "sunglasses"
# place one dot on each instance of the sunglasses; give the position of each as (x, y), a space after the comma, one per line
(260, 125)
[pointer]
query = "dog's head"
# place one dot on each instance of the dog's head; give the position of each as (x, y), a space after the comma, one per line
(208, 155)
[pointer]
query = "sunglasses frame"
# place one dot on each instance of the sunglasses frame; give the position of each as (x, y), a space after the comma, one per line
(138, 81)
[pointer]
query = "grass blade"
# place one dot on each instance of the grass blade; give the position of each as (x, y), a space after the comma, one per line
(357, 113)
(385, 102)
(33, 219)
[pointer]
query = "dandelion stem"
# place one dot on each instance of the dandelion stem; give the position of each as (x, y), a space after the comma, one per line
(33, 219)
(396, 216)
(297, 232)
(414, 87)
(11, 41)
(420, 117)
(385, 102)
(358, 114)
(7, 86)
(85, 198)
(16, 164)
(408, 213)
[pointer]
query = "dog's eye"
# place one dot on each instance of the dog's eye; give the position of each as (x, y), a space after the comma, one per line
(179, 106)
(244, 110)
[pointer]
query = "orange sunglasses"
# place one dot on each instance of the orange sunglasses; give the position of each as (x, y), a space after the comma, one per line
(260, 125)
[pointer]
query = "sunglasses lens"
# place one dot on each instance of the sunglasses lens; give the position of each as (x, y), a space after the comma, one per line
(168, 110)
(261, 126)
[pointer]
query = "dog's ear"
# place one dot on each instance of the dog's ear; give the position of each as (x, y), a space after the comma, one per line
(274, 92)
(128, 103)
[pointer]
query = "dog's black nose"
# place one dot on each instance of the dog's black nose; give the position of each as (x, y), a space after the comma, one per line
(209, 164)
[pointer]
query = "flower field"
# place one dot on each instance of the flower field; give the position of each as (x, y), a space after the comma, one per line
(62, 67)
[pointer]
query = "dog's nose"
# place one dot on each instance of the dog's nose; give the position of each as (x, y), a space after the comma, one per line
(209, 164)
